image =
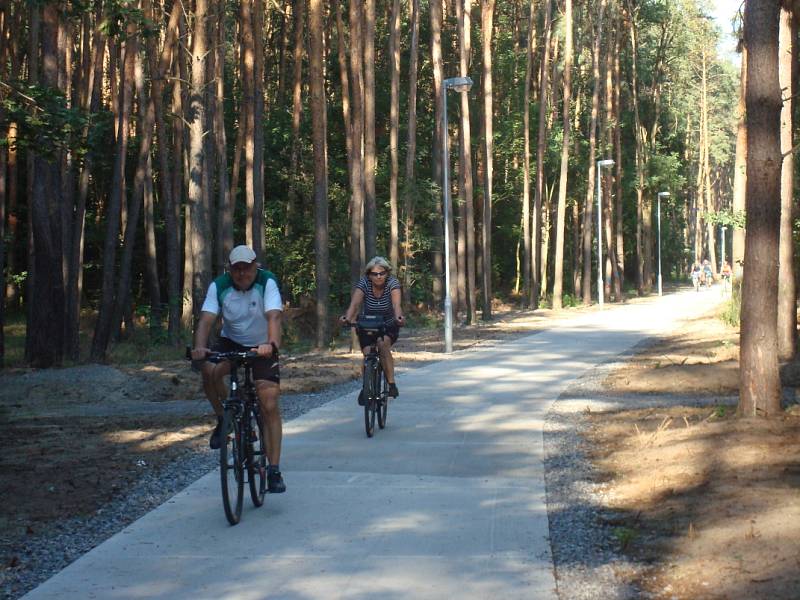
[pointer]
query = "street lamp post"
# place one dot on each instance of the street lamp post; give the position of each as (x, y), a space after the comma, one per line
(600, 163)
(658, 220)
(459, 84)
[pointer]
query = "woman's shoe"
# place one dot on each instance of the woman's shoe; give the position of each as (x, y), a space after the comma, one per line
(393, 390)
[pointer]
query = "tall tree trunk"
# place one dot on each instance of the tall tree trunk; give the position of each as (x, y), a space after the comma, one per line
(159, 67)
(319, 127)
(619, 195)
(357, 232)
(588, 209)
(411, 149)
(247, 117)
(541, 146)
(740, 171)
(640, 151)
(200, 231)
(437, 259)
(787, 293)
(526, 203)
(487, 28)
(297, 112)
(145, 136)
(561, 211)
(258, 130)
(370, 207)
(465, 165)
(103, 328)
(225, 206)
(394, 126)
(760, 386)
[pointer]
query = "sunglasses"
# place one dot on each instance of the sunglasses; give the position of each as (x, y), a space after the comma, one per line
(377, 273)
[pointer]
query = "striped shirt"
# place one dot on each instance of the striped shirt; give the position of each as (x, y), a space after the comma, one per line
(382, 305)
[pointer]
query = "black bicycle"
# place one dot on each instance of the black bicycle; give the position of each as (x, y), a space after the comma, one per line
(242, 450)
(375, 388)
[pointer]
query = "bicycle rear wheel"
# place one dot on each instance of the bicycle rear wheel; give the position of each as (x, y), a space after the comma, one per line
(256, 457)
(231, 469)
(382, 395)
(370, 394)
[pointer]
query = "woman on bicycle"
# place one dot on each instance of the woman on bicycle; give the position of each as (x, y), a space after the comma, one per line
(379, 293)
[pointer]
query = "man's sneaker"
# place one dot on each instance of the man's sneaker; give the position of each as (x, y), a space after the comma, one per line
(393, 390)
(214, 442)
(275, 483)
(361, 398)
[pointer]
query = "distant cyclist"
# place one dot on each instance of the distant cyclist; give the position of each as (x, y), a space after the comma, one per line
(249, 302)
(696, 273)
(379, 293)
(708, 274)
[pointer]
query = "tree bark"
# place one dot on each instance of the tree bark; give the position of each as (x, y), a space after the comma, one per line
(760, 386)
(465, 164)
(411, 149)
(561, 211)
(319, 127)
(200, 231)
(740, 172)
(368, 66)
(103, 328)
(487, 29)
(787, 292)
(357, 233)
(588, 209)
(437, 259)
(394, 126)
(297, 113)
(541, 143)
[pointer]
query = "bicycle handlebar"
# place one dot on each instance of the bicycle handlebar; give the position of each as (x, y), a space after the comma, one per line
(237, 356)
(381, 327)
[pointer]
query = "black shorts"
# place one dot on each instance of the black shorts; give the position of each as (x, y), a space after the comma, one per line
(267, 369)
(367, 338)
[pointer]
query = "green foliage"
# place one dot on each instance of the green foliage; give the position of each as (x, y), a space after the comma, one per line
(625, 536)
(48, 124)
(727, 217)
(731, 310)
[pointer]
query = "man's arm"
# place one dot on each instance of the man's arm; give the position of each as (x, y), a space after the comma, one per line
(201, 333)
(274, 331)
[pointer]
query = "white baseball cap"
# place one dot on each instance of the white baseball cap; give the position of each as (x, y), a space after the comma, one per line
(243, 254)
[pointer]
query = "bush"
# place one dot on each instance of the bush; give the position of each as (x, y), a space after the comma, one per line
(732, 309)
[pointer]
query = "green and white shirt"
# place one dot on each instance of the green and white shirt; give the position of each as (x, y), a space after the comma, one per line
(244, 318)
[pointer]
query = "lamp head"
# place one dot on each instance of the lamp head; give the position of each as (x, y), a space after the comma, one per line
(459, 84)
(605, 163)
(663, 194)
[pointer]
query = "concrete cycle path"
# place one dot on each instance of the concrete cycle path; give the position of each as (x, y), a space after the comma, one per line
(447, 502)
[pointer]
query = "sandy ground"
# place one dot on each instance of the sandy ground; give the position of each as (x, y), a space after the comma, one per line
(707, 502)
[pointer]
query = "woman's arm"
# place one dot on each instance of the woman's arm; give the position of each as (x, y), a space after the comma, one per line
(397, 306)
(355, 302)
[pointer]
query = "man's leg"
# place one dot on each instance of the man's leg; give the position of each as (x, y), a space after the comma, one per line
(215, 390)
(268, 395)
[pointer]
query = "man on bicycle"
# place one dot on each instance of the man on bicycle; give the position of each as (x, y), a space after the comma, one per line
(249, 302)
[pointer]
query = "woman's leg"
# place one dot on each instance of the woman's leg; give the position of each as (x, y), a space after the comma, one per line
(385, 350)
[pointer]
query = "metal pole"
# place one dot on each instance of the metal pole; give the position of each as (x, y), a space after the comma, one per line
(722, 264)
(599, 240)
(658, 214)
(448, 303)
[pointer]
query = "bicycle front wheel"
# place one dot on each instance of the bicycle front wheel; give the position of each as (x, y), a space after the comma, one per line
(382, 395)
(256, 457)
(370, 393)
(231, 469)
